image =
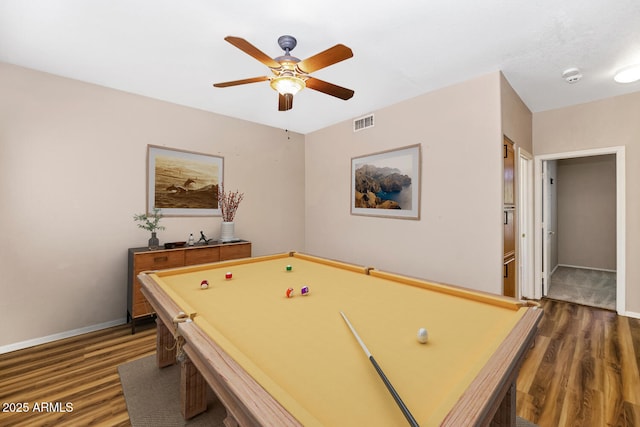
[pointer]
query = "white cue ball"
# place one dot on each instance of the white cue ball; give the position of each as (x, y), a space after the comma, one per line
(423, 335)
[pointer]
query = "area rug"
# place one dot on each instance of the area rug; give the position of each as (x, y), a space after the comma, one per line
(153, 397)
(594, 288)
(521, 422)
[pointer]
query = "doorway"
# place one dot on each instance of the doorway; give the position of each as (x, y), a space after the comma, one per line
(563, 252)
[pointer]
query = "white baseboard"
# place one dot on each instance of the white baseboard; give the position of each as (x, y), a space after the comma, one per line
(50, 338)
(585, 268)
(631, 314)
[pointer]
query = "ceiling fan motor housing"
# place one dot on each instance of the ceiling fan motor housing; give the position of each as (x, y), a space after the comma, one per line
(287, 43)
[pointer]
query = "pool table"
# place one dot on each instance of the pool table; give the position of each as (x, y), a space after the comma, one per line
(274, 359)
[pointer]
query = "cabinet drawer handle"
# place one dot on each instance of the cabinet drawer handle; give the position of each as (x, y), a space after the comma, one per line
(506, 271)
(506, 218)
(161, 259)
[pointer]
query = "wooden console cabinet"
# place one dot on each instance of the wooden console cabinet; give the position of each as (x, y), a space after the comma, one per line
(145, 259)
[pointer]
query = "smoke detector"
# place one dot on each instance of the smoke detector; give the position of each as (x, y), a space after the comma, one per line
(572, 75)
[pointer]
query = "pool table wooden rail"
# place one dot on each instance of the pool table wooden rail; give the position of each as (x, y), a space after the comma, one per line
(489, 400)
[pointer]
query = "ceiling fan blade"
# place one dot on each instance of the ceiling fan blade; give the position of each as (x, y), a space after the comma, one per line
(242, 82)
(251, 50)
(323, 59)
(285, 102)
(329, 88)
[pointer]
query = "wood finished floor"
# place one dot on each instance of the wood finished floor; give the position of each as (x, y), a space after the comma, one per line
(82, 370)
(582, 371)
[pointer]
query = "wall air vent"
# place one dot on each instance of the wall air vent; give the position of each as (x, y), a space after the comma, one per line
(363, 123)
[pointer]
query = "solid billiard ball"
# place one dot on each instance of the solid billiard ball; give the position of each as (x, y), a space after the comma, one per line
(423, 335)
(228, 275)
(289, 268)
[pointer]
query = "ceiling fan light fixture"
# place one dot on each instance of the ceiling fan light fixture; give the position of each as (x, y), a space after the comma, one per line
(628, 75)
(289, 74)
(287, 84)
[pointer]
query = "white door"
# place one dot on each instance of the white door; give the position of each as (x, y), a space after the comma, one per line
(525, 225)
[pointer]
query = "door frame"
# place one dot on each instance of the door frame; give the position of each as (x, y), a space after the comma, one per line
(540, 215)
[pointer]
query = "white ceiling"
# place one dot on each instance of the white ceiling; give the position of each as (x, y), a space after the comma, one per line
(174, 50)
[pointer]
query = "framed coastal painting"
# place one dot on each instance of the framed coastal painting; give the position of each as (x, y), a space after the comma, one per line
(183, 183)
(387, 184)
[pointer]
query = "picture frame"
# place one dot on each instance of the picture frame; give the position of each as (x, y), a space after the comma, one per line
(183, 183)
(387, 184)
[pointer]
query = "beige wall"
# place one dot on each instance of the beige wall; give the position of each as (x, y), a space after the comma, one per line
(606, 123)
(72, 165)
(516, 117)
(458, 238)
(586, 189)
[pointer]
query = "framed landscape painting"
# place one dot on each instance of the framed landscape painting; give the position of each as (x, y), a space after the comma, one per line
(183, 183)
(387, 184)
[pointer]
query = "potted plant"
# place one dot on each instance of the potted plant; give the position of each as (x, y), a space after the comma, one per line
(228, 203)
(151, 223)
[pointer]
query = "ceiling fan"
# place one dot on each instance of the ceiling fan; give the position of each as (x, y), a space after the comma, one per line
(290, 74)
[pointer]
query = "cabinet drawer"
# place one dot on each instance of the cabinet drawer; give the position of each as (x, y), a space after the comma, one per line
(201, 255)
(235, 251)
(141, 308)
(159, 260)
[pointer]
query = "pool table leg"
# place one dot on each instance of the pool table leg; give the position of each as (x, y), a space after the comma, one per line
(506, 414)
(229, 421)
(165, 345)
(193, 390)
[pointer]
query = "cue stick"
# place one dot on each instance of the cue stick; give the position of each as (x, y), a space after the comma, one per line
(392, 390)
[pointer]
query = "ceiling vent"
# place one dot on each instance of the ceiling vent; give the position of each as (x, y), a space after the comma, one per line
(363, 123)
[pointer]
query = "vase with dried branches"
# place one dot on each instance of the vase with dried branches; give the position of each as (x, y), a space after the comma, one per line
(228, 203)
